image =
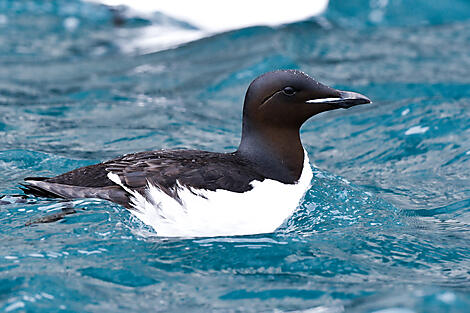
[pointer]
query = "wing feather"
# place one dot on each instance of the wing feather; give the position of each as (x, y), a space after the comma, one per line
(165, 169)
(195, 169)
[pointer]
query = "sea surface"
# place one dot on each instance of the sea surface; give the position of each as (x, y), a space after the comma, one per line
(384, 228)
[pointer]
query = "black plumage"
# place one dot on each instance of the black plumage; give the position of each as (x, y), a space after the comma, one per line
(164, 168)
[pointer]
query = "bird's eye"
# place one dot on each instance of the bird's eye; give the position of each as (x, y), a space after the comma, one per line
(288, 91)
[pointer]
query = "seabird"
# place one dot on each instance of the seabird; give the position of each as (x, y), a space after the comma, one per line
(192, 193)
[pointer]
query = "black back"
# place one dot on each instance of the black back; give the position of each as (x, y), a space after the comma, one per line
(191, 168)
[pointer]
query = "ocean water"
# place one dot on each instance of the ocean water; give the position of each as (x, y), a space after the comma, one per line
(385, 227)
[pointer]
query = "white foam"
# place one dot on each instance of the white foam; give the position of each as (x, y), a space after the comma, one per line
(71, 23)
(156, 38)
(447, 297)
(416, 130)
(208, 16)
(204, 213)
(217, 16)
(14, 306)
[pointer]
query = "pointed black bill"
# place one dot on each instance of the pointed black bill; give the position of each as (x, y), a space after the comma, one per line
(345, 100)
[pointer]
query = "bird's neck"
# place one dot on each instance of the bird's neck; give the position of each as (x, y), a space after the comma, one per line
(276, 153)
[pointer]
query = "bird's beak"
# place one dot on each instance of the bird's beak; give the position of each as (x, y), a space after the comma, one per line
(345, 100)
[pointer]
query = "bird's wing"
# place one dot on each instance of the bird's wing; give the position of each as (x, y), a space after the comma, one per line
(189, 168)
(165, 169)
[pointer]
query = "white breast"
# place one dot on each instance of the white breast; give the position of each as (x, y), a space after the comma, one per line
(204, 213)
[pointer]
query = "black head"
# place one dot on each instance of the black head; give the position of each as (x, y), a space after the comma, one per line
(288, 98)
(276, 105)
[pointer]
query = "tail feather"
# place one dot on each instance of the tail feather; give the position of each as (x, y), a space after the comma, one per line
(37, 178)
(38, 192)
(42, 188)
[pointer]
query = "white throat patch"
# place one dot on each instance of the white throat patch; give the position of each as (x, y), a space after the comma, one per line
(205, 213)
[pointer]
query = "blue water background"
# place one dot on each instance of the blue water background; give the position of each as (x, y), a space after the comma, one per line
(384, 228)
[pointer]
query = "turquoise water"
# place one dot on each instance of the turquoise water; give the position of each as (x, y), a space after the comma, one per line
(384, 228)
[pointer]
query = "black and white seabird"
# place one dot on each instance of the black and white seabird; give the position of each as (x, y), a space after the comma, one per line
(192, 193)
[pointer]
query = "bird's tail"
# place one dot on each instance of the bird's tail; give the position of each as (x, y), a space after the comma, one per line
(36, 186)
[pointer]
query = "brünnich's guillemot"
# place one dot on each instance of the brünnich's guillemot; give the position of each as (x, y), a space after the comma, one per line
(193, 193)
